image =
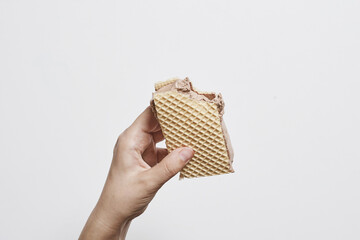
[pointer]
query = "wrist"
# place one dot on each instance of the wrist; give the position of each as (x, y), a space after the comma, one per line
(101, 225)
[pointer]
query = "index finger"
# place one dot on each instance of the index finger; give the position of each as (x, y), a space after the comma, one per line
(146, 122)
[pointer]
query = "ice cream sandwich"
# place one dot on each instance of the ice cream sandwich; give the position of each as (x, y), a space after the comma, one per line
(194, 119)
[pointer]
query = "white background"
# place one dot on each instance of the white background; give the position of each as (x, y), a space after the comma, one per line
(74, 74)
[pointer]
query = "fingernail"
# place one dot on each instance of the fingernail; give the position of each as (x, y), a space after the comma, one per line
(186, 154)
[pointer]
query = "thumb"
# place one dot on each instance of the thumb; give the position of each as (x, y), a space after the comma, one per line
(170, 165)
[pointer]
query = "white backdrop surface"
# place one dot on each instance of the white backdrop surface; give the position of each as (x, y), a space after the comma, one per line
(74, 74)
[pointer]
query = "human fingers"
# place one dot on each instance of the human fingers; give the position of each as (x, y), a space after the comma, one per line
(146, 122)
(169, 166)
(158, 136)
(149, 155)
(153, 155)
(139, 136)
(161, 153)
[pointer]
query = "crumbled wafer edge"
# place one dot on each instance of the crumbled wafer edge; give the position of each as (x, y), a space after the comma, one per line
(161, 84)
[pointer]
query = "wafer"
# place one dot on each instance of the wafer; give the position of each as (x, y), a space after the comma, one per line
(192, 118)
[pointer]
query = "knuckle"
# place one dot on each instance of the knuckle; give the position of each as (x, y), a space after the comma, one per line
(122, 143)
(123, 139)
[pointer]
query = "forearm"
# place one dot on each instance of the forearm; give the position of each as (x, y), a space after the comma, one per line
(98, 227)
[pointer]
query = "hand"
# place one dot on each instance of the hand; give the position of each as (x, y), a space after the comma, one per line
(137, 172)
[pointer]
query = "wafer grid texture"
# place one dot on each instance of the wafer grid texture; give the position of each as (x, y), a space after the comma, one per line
(195, 124)
(159, 85)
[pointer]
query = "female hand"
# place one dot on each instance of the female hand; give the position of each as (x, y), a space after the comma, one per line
(137, 172)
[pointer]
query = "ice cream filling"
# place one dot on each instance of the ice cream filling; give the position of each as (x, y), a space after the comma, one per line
(185, 87)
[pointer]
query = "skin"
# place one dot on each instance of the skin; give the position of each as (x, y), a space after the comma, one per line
(137, 172)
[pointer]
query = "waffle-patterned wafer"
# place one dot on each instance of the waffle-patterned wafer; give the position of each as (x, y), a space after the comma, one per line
(194, 119)
(159, 85)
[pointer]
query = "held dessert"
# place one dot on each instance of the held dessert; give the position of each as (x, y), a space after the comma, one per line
(194, 119)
